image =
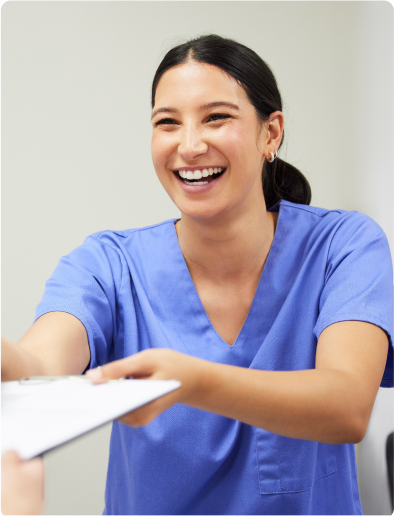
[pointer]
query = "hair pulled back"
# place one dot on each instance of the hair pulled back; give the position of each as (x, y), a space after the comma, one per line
(280, 179)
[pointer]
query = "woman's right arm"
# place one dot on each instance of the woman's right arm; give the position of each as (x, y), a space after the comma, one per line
(56, 344)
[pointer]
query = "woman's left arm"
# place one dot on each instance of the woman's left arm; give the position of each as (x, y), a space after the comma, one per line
(331, 403)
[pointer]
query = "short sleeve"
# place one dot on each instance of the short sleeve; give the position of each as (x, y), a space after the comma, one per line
(84, 284)
(359, 281)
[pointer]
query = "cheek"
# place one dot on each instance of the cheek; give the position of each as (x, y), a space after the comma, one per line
(156, 151)
(237, 143)
(161, 152)
(161, 149)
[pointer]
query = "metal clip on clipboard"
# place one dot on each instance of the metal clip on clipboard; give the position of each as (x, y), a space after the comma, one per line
(45, 378)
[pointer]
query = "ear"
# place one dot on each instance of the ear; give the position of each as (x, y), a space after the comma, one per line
(273, 134)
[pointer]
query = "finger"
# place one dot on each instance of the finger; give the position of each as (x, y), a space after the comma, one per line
(147, 413)
(95, 375)
(138, 365)
(10, 458)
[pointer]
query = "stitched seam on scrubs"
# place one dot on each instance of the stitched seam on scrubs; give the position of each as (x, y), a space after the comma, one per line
(346, 216)
(286, 491)
(117, 289)
(205, 312)
(81, 318)
(257, 459)
(304, 489)
(279, 465)
(307, 209)
(254, 303)
(371, 319)
(173, 326)
(128, 232)
(201, 307)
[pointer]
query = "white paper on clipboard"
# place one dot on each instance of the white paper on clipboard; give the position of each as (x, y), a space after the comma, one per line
(35, 418)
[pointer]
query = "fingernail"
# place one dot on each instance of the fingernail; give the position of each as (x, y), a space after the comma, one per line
(95, 375)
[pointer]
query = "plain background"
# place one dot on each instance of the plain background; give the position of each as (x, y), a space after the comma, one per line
(76, 150)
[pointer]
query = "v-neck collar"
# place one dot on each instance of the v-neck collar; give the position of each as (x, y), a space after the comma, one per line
(187, 301)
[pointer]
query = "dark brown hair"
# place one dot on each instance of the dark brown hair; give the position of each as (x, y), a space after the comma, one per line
(280, 179)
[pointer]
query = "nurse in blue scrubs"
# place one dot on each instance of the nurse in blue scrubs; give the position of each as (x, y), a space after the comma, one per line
(277, 317)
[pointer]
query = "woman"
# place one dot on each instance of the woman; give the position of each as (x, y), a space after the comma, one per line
(275, 316)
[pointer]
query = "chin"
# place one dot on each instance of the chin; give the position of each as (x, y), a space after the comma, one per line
(195, 209)
(201, 213)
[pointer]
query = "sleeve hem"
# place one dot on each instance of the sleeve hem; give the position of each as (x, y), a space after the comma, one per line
(83, 319)
(353, 317)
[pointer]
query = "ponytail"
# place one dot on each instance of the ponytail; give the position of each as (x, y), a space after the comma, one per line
(282, 181)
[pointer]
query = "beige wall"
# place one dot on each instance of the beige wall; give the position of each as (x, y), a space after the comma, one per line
(76, 149)
(372, 178)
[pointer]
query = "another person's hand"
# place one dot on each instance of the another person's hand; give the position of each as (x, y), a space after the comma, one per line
(156, 364)
(22, 485)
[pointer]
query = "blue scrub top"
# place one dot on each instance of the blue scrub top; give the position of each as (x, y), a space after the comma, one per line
(132, 290)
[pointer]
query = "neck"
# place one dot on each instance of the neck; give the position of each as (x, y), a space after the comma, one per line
(227, 250)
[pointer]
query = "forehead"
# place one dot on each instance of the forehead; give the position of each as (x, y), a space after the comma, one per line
(198, 83)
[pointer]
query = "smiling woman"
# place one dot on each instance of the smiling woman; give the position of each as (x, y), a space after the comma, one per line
(209, 71)
(275, 316)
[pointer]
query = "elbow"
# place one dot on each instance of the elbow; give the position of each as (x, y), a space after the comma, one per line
(355, 429)
(356, 434)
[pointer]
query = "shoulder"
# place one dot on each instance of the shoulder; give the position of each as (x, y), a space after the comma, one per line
(119, 238)
(336, 225)
(110, 252)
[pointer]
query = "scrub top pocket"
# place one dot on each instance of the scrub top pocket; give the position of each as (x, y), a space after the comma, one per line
(289, 465)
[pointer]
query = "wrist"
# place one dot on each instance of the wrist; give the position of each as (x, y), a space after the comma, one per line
(200, 385)
(9, 360)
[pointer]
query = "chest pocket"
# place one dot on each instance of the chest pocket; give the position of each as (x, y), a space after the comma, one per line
(289, 465)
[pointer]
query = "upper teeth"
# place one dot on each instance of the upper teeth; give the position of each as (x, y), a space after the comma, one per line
(195, 175)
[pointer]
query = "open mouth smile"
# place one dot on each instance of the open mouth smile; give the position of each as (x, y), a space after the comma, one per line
(199, 177)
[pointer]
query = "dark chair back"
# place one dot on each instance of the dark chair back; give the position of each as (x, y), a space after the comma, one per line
(390, 459)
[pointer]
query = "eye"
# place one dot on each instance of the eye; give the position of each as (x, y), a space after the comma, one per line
(218, 117)
(165, 121)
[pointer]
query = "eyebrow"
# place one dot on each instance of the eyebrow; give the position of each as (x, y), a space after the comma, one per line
(202, 107)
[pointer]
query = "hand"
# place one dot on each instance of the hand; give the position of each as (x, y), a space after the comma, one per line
(22, 485)
(156, 364)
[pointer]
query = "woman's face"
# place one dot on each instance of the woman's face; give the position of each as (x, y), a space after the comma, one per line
(205, 128)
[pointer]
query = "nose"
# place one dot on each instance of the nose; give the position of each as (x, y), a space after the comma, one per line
(192, 143)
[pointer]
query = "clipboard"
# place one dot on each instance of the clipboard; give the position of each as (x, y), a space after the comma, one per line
(42, 413)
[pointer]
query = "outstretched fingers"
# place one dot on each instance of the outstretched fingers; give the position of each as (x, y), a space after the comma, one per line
(140, 365)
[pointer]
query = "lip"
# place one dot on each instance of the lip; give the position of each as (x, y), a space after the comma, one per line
(196, 190)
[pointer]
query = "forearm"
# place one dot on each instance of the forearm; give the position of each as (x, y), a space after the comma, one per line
(313, 404)
(16, 363)
(330, 404)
